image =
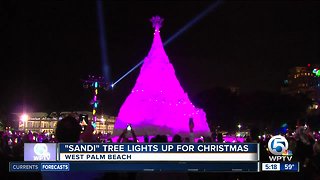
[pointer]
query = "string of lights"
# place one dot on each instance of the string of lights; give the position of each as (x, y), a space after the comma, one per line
(95, 83)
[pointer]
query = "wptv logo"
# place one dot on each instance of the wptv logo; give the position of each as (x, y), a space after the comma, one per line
(41, 152)
(278, 146)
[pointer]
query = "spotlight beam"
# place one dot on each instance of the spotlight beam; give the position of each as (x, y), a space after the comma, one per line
(193, 21)
(135, 67)
(214, 5)
(102, 41)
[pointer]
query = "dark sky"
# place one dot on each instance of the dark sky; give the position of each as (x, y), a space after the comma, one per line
(48, 46)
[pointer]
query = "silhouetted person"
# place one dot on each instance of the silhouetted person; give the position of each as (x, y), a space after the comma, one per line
(304, 146)
(156, 139)
(316, 159)
(146, 138)
(163, 138)
(87, 135)
(214, 136)
(186, 140)
(219, 137)
(254, 135)
(207, 139)
(123, 137)
(68, 130)
(200, 141)
(177, 138)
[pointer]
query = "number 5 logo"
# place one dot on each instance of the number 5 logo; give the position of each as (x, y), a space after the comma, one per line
(277, 145)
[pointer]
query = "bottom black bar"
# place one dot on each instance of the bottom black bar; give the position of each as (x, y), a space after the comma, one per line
(135, 166)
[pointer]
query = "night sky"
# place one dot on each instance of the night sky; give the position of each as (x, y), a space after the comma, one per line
(47, 47)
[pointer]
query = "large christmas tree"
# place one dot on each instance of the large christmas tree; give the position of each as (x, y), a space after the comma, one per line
(158, 104)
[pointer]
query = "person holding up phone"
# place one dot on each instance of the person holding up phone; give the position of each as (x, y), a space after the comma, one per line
(129, 127)
(123, 138)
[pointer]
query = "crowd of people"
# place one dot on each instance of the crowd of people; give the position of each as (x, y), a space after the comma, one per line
(304, 146)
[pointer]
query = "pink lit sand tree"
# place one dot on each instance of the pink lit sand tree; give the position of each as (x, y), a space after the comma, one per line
(158, 104)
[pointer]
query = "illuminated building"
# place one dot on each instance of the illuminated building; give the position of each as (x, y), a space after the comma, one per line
(37, 122)
(41, 121)
(104, 124)
(303, 80)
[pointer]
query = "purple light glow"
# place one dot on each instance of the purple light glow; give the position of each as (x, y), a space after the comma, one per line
(158, 104)
(230, 139)
(227, 139)
(139, 138)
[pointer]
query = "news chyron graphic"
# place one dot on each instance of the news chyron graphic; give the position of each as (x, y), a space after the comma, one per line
(40, 152)
(282, 156)
(202, 157)
(278, 146)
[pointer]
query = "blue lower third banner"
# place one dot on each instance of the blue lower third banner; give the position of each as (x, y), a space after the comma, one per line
(134, 166)
(155, 152)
